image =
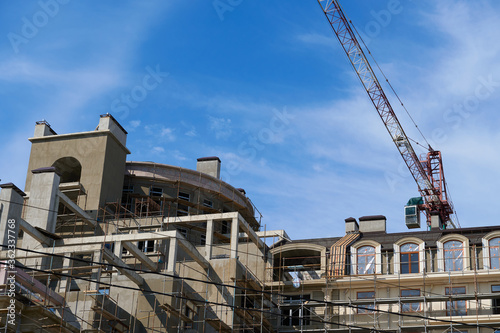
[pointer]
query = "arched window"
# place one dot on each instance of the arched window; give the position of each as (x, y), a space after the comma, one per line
(409, 258)
(453, 256)
(366, 260)
(69, 168)
(494, 244)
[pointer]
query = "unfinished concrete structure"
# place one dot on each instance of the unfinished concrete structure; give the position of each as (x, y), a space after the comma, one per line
(109, 245)
(106, 245)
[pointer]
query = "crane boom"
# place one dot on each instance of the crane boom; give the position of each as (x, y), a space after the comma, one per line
(428, 174)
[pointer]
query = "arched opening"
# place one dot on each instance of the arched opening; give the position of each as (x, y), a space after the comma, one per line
(304, 264)
(69, 168)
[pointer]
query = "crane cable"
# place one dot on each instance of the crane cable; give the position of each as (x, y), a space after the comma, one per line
(429, 148)
(387, 80)
(402, 104)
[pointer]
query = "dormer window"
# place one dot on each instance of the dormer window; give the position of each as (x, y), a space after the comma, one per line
(409, 258)
(494, 245)
(453, 253)
(453, 256)
(366, 260)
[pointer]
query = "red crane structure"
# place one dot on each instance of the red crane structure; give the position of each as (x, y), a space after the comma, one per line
(428, 171)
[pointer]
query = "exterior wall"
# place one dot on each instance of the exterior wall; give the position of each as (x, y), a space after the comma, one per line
(101, 156)
(205, 272)
(346, 293)
(143, 175)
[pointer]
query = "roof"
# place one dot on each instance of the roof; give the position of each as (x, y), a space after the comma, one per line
(386, 240)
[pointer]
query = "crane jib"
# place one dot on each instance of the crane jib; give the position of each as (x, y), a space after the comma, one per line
(428, 174)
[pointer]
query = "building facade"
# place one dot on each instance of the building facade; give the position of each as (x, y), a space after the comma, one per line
(97, 243)
(423, 281)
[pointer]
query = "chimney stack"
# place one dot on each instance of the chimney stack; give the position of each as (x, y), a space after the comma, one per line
(209, 165)
(373, 223)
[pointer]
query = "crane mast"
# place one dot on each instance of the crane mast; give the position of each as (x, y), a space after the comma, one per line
(428, 172)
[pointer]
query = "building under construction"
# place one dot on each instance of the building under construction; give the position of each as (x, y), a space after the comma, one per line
(96, 243)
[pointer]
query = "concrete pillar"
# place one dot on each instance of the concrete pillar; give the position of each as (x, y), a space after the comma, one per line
(118, 252)
(64, 284)
(172, 255)
(96, 272)
(328, 309)
(43, 203)
(11, 207)
(209, 239)
(235, 231)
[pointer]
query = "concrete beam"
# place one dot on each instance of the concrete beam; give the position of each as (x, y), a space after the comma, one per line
(63, 198)
(117, 238)
(134, 250)
(74, 245)
(33, 232)
(250, 232)
(281, 234)
(88, 248)
(114, 260)
(192, 251)
(200, 218)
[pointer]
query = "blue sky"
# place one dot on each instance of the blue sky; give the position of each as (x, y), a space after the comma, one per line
(265, 86)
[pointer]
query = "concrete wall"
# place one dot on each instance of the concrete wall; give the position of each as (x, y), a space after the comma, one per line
(101, 156)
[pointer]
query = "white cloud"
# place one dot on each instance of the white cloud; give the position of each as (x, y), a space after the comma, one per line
(220, 126)
(158, 150)
(133, 124)
(167, 133)
(178, 155)
(191, 133)
(317, 39)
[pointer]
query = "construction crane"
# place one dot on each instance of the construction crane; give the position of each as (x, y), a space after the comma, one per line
(427, 171)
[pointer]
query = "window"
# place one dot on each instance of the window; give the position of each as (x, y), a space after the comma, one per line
(188, 313)
(128, 188)
(458, 307)
(366, 308)
(410, 307)
(366, 260)
(146, 246)
(494, 253)
(224, 227)
(183, 232)
(495, 303)
(296, 314)
(182, 210)
(453, 256)
(104, 291)
(203, 239)
(184, 196)
(409, 258)
(208, 203)
(155, 191)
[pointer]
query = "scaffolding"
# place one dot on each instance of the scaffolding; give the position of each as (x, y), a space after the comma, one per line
(428, 300)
